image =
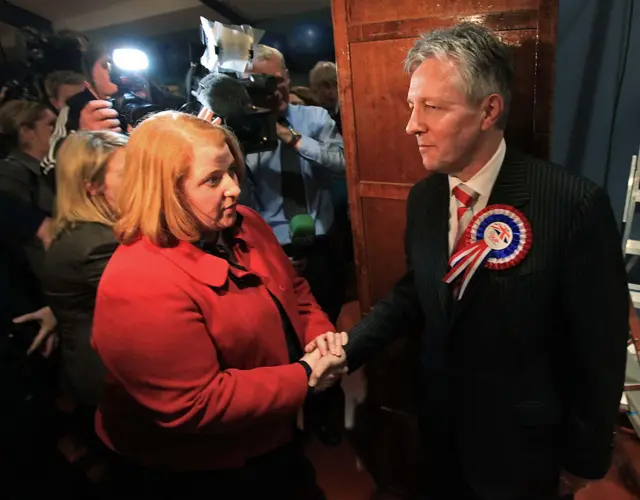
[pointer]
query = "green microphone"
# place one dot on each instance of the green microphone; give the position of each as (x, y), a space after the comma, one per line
(302, 231)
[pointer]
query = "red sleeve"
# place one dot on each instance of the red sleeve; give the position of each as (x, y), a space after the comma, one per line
(315, 321)
(159, 349)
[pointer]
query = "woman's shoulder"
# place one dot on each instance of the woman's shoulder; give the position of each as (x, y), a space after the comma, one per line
(138, 264)
(84, 237)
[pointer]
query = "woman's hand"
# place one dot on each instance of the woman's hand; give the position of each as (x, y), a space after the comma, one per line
(48, 323)
(325, 370)
(207, 115)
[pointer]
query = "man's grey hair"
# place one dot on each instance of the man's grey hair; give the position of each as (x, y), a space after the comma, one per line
(484, 61)
(266, 53)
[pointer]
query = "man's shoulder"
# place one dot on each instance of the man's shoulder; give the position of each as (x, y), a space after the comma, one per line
(314, 114)
(544, 175)
(15, 169)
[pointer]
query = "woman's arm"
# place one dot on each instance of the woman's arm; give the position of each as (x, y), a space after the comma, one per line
(160, 350)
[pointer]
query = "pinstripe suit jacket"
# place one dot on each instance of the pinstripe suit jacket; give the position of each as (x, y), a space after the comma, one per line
(531, 358)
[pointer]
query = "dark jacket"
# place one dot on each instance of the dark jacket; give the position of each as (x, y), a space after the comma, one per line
(74, 265)
(532, 358)
(18, 224)
(22, 180)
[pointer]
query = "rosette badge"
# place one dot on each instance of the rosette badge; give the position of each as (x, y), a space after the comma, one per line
(497, 238)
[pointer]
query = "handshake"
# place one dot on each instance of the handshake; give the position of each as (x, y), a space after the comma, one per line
(327, 359)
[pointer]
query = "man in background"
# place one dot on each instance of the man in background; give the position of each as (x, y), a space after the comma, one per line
(61, 85)
(323, 79)
(293, 184)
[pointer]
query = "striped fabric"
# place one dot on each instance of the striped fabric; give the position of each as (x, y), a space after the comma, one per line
(465, 197)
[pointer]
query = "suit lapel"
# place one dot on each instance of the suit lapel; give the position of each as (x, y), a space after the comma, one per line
(436, 220)
(509, 189)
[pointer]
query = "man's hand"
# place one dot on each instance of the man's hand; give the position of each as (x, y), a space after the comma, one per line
(284, 133)
(571, 484)
(328, 343)
(48, 323)
(99, 115)
(326, 370)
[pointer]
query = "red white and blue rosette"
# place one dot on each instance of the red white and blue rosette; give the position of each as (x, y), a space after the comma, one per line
(498, 237)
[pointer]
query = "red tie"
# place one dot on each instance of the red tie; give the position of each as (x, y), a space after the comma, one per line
(466, 197)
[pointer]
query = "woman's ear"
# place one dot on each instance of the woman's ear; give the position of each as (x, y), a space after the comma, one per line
(91, 188)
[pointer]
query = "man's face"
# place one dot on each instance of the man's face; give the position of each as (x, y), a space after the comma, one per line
(36, 138)
(448, 130)
(274, 68)
(65, 92)
(326, 95)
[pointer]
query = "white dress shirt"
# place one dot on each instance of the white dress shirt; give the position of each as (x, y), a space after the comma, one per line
(482, 183)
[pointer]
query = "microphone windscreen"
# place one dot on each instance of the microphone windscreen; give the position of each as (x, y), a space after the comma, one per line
(224, 95)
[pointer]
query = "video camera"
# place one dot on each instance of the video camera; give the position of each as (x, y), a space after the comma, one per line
(134, 99)
(245, 102)
(40, 54)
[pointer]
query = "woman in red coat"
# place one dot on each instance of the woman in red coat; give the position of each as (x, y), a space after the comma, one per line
(200, 319)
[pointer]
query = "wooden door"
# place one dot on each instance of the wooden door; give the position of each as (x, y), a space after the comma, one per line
(372, 38)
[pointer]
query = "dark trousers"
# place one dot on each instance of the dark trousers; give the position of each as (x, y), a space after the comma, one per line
(325, 271)
(443, 476)
(284, 473)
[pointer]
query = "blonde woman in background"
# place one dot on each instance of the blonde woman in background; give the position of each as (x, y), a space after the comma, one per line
(90, 166)
(88, 179)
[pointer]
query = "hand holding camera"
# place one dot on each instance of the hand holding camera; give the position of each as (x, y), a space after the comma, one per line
(99, 115)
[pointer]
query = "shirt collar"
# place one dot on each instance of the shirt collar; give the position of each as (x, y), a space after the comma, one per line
(482, 183)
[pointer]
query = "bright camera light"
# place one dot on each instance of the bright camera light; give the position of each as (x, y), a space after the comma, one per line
(130, 59)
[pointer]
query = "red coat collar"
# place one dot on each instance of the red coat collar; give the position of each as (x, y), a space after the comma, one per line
(212, 270)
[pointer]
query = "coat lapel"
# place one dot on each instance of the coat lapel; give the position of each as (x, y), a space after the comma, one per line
(436, 220)
(509, 189)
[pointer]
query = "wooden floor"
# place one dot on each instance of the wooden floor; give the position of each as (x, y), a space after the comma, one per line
(342, 479)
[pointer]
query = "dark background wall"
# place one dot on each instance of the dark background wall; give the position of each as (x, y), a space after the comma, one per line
(597, 100)
(303, 38)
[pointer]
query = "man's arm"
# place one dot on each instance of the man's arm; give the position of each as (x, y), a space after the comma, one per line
(249, 188)
(399, 313)
(596, 302)
(326, 149)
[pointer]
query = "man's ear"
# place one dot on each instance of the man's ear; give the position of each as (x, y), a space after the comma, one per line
(493, 107)
(24, 134)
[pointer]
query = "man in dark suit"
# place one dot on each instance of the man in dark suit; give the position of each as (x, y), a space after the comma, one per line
(521, 373)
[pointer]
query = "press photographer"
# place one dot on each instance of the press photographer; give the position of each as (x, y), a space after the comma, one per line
(89, 109)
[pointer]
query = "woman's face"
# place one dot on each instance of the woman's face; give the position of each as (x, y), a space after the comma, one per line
(35, 140)
(101, 73)
(113, 177)
(212, 188)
